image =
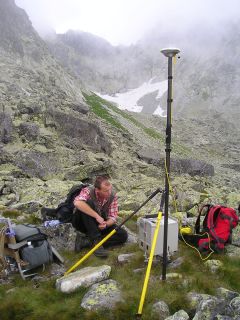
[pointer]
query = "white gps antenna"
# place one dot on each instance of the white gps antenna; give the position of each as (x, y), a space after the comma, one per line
(170, 52)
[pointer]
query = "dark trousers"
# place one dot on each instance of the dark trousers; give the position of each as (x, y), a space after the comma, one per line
(88, 225)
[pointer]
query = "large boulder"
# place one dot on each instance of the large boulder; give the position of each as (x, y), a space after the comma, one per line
(190, 166)
(27, 207)
(61, 236)
(80, 107)
(30, 131)
(28, 108)
(223, 307)
(5, 157)
(6, 128)
(37, 164)
(150, 155)
(80, 131)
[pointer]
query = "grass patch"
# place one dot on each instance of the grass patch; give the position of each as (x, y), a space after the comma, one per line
(132, 224)
(181, 149)
(25, 300)
(11, 213)
(98, 108)
(33, 219)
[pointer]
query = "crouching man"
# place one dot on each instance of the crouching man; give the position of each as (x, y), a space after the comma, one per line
(96, 216)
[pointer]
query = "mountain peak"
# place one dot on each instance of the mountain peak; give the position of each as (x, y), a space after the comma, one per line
(86, 43)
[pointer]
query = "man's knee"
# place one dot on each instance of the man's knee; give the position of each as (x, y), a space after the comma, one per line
(123, 235)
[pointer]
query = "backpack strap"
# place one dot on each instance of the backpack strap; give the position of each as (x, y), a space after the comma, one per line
(108, 203)
(197, 224)
(73, 192)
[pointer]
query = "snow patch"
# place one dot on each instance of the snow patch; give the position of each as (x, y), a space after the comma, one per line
(128, 100)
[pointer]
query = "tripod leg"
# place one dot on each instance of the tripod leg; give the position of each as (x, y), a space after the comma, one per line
(144, 290)
(90, 252)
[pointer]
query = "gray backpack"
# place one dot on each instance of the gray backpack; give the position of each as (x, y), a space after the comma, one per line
(38, 251)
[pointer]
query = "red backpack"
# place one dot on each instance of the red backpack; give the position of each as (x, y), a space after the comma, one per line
(218, 223)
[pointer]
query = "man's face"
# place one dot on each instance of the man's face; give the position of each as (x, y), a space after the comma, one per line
(105, 189)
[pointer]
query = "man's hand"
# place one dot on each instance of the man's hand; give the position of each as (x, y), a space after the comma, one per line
(99, 219)
(84, 207)
(102, 225)
(110, 222)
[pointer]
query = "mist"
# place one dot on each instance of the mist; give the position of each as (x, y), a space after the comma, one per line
(126, 22)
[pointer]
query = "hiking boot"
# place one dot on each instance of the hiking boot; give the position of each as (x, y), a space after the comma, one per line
(47, 213)
(100, 252)
(81, 242)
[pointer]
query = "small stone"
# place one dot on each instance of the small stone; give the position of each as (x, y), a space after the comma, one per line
(139, 270)
(235, 305)
(102, 295)
(226, 294)
(173, 276)
(160, 310)
(123, 258)
(82, 278)
(213, 265)
(180, 315)
(176, 263)
(195, 299)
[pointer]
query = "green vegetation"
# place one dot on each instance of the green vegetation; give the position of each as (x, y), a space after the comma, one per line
(181, 149)
(39, 299)
(11, 213)
(100, 107)
(131, 224)
(32, 219)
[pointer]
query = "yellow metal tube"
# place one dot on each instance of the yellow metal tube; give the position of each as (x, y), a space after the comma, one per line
(144, 290)
(90, 252)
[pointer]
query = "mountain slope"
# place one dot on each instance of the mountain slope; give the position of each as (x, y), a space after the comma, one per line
(49, 137)
(52, 135)
(206, 77)
(101, 66)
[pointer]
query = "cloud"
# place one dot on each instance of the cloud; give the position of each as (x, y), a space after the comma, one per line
(126, 21)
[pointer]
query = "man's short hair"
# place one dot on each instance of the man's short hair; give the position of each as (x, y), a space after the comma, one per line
(100, 179)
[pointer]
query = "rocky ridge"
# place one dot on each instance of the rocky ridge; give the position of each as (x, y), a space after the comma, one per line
(52, 137)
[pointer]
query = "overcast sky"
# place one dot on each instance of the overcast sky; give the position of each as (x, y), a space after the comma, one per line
(126, 21)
